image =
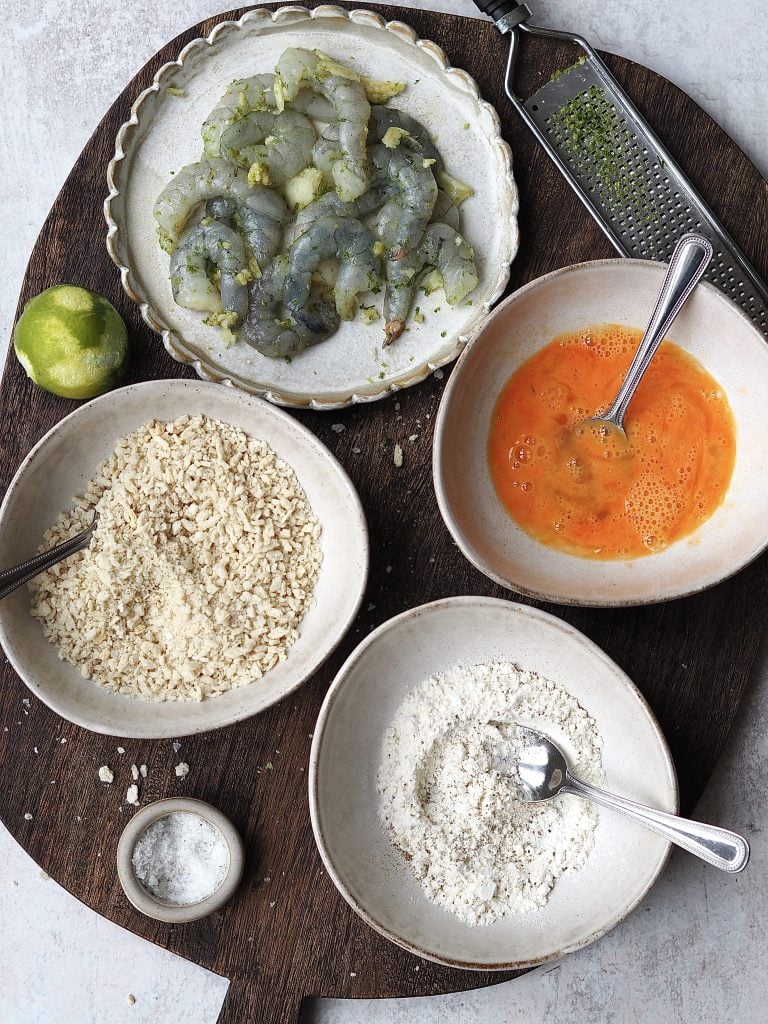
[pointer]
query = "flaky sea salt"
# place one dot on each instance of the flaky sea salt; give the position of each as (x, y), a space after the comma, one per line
(476, 848)
(181, 858)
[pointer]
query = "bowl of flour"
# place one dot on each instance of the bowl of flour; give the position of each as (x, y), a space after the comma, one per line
(422, 835)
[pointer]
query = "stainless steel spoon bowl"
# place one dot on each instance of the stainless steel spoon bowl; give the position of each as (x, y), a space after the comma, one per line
(540, 770)
(12, 579)
(689, 261)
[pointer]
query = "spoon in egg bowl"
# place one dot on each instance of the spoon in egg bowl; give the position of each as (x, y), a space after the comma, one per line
(690, 259)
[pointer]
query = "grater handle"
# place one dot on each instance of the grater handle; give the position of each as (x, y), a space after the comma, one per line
(506, 14)
(689, 261)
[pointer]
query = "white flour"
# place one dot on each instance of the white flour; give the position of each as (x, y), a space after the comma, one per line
(476, 848)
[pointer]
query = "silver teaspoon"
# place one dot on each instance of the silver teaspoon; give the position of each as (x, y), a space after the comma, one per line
(539, 768)
(12, 579)
(689, 261)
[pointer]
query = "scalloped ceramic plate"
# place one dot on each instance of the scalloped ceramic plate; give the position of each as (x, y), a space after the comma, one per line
(163, 135)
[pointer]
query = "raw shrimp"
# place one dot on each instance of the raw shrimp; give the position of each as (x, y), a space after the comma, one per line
(359, 267)
(416, 137)
(414, 201)
(270, 330)
(329, 205)
(205, 244)
(446, 211)
(259, 221)
(256, 94)
(288, 140)
(260, 211)
(343, 89)
(447, 252)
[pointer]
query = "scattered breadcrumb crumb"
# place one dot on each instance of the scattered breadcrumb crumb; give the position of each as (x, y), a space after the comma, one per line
(338, 428)
(121, 750)
(353, 974)
(106, 774)
(130, 999)
(27, 816)
(438, 376)
(413, 437)
(134, 773)
(132, 795)
(143, 771)
(398, 455)
(176, 746)
(182, 770)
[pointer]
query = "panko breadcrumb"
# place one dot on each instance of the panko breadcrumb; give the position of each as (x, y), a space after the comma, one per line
(200, 570)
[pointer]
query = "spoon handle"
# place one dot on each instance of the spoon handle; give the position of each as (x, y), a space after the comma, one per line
(719, 847)
(12, 579)
(689, 261)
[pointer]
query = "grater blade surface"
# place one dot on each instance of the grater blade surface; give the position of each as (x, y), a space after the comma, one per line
(632, 185)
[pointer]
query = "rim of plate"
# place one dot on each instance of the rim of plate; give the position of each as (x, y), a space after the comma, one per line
(443, 412)
(317, 740)
(51, 700)
(173, 341)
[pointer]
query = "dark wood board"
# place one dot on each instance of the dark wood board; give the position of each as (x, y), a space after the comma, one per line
(293, 936)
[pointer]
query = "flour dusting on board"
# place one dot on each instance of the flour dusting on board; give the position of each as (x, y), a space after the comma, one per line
(476, 848)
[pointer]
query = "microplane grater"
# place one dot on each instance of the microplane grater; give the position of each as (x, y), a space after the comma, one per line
(618, 167)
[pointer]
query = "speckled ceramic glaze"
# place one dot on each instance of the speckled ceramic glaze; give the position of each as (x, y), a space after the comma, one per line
(60, 466)
(374, 877)
(712, 329)
(163, 135)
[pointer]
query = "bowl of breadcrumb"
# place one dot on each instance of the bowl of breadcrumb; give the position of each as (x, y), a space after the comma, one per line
(229, 558)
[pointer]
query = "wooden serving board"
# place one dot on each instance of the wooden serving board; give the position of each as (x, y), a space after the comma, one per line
(287, 934)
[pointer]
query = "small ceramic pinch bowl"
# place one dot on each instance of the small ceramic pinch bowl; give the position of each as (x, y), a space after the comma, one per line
(374, 877)
(712, 328)
(59, 467)
(163, 910)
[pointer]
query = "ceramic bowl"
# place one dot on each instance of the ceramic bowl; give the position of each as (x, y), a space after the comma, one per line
(163, 134)
(711, 328)
(60, 466)
(153, 906)
(373, 876)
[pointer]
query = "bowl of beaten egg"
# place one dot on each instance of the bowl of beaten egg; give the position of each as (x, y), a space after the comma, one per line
(549, 508)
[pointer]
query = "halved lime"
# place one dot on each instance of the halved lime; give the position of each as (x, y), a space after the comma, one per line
(72, 342)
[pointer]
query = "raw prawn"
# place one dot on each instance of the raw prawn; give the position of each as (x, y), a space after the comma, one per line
(210, 243)
(287, 140)
(449, 254)
(343, 88)
(359, 266)
(273, 332)
(256, 94)
(414, 199)
(260, 212)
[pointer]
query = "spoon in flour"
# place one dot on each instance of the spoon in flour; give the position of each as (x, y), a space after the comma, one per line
(540, 770)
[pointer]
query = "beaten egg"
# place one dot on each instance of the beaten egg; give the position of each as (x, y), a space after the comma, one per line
(590, 491)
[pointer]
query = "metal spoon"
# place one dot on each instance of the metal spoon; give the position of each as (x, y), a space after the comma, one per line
(541, 771)
(12, 579)
(689, 261)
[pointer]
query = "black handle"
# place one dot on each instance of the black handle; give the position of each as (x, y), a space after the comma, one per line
(496, 8)
(507, 14)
